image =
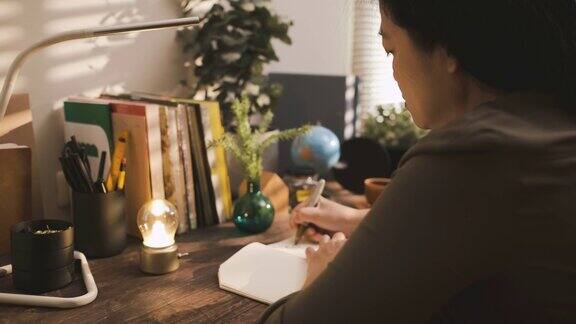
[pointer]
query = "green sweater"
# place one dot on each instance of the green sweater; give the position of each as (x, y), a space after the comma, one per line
(477, 226)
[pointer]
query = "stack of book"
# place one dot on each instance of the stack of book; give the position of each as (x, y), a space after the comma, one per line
(167, 156)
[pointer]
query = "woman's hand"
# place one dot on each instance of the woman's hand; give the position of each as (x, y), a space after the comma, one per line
(329, 216)
(319, 259)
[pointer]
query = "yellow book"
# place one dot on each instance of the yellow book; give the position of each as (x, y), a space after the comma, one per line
(213, 129)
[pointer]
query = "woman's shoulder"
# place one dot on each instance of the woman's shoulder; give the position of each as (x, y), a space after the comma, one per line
(512, 124)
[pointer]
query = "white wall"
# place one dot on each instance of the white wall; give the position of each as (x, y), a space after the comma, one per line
(321, 35)
(146, 62)
(325, 40)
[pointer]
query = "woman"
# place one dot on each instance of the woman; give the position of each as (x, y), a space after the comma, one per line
(479, 222)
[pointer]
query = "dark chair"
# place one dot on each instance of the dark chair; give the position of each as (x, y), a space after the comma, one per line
(361, 158)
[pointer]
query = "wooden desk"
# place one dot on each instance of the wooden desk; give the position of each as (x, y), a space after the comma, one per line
(189, 295)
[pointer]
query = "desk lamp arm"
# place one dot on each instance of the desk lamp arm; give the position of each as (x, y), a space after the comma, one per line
(14, 69)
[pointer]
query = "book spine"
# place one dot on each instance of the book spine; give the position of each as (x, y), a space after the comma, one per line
(202, 178)
(177, 171)
(212, 217)
(155, 151)
(212, 163)
(221, 161)
(199, 201)
(186, 155)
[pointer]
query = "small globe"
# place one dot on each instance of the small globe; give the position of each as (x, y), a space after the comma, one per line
(318, 149)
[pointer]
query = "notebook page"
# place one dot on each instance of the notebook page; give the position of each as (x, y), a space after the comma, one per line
(288, 246)
(262, 273)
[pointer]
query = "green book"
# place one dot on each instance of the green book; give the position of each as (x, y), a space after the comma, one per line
(90, 121)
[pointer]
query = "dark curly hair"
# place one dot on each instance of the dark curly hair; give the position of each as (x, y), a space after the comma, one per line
(510, 45)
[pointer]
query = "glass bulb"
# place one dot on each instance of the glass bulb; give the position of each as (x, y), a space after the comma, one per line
(158, 222)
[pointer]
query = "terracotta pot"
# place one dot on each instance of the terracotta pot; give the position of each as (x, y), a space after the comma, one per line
(373, 187)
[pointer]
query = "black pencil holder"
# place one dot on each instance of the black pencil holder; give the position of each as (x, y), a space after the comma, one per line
(99, 223)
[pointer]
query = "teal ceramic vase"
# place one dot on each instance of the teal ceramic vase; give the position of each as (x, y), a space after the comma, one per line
(253, 212)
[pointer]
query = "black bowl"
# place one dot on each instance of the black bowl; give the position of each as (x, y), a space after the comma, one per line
(22, 235)
(42, 262)
(47, 260)
(42, 281)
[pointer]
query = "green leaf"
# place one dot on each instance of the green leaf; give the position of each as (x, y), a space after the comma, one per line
(233, 29)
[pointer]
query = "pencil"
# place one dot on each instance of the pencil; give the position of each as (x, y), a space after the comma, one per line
(83, 173)
(83, 157)
(312, 201)
(101, 166)
(99, 185)
(122, 176)
(114, 172)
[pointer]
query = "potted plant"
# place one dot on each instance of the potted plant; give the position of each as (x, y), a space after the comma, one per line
(225, 59)
(253, 212)
(393, 127)
(226, 55)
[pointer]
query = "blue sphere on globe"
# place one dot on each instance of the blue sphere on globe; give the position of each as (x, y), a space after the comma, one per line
(318, 149)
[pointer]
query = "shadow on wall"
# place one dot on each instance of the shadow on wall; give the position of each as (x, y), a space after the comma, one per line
(144, 62)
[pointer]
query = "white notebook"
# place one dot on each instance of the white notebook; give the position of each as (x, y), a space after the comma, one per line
(265, 273)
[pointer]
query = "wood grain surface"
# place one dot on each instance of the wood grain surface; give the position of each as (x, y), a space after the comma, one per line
(188, 295)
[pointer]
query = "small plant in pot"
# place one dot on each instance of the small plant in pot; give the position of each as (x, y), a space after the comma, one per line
(393, 127)
(253, 212)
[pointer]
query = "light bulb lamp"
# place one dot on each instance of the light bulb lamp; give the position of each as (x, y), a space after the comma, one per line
(14, 69)
(158, 221)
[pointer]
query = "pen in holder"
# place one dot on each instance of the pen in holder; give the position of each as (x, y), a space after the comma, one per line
(99, 223)
(97, 205)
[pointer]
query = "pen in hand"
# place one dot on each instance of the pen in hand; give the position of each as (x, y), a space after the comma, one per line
(312, 202)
